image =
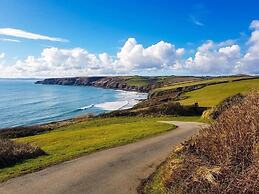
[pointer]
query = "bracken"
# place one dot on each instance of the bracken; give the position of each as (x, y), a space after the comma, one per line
(12, 152)
(222, 158)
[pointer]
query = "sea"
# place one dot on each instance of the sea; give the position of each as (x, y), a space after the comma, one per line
(24, 103)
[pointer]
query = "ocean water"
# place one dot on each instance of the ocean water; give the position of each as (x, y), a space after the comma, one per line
(24, 103)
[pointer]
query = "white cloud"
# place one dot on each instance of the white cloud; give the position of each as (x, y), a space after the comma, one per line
(226, 57)
(9, 40)
(250, 61)
(212, 59)
(79, 62)
(254, 24)
(2, 59)
(2, 55)
(158, 56)
(61, 62)
(28, 35)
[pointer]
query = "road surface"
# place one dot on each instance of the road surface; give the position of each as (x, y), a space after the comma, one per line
(115, 171)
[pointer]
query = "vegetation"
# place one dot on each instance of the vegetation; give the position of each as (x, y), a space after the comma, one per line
(24, 131)
(137, 81)
(212, 95)
(156, 81)
(216, 111)
(12, 152)
(72, 138)
(208, 81)
(158, 109)
(222, 158)
(84, 137)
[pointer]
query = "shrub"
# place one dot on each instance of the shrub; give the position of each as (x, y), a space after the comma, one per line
(12, 152)
(224, 157)
(226, 104)
(17, 132)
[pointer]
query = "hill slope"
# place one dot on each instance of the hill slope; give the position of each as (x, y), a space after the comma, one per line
(222, 158)
(212, 95)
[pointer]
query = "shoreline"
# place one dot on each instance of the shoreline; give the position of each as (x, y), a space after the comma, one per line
(104, 82)
(139, 96)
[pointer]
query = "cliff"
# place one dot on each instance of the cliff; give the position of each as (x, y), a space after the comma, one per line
(103, 82)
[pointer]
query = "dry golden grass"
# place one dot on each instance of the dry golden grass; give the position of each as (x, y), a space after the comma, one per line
(12, 152)
(223, 158)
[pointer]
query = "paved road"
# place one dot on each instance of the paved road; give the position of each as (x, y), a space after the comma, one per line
(117, 170)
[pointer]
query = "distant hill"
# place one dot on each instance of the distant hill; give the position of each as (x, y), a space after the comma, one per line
(129, 83)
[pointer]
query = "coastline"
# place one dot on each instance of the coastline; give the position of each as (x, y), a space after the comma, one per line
(132, 98)
(116, 83)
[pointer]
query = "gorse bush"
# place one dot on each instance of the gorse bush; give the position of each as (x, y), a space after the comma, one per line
(224, 157)
(12, 152)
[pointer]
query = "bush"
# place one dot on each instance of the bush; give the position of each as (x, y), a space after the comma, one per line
(17, 132)
(226, 104)
(223, 158)
(170, 108)
(12, 152)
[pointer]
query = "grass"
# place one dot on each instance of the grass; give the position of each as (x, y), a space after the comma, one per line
(85, 137)
(212, 95)
(137, 81)
(155, 183)
(192, 83)
(222, 158)
(12, 152)
(144, 81)
(187, 119)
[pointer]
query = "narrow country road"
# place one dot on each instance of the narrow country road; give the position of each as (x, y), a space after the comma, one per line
(115, 171)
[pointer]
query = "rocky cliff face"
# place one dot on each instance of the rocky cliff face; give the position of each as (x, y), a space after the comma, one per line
(103, 82)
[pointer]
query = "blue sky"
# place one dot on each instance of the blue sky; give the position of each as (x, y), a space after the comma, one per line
(104, 26)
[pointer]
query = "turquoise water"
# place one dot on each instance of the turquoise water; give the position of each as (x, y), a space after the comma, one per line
(24, 103)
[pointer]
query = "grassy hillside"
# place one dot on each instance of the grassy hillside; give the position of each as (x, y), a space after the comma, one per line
(212, 95)
(222, 158)
(85, 137)
(197, 82)
(78, 137)
(156, 81)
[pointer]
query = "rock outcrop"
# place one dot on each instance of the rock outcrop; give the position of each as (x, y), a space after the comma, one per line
(103, 82)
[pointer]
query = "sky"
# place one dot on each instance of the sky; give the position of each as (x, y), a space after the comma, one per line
(56, 38)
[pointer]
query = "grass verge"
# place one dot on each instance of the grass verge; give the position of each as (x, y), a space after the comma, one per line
(85, 137)
(155, 183)
(222, 158)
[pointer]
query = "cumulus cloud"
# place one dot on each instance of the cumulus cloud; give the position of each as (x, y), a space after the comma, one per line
(217, 58)
(210, 58)
(79, 62)
(250, 61)
(2, 55)
(28, 35)
(254, 24)
(62, 62)
(226, 57)
(158, 56)
(2, 59)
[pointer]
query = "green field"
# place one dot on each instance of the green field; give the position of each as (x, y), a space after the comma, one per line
(192, 83)
(212, 95)
(156, 80)
(137, 81)
(86, 137)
